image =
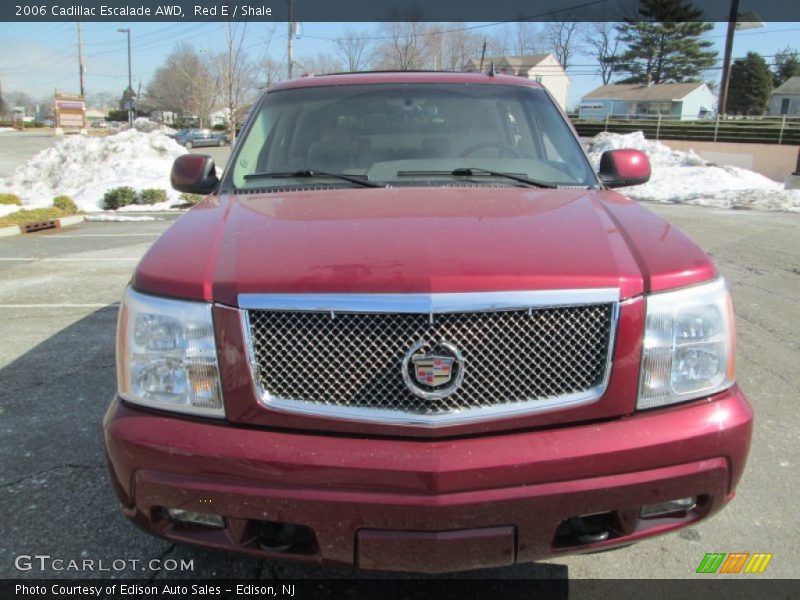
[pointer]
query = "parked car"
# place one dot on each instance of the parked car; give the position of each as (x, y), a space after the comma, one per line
(412, 329)
(196, 138)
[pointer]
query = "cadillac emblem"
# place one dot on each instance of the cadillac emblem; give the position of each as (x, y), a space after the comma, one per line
(433, 371)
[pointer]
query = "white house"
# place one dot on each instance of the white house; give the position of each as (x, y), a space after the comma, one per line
(221, 116)
(786, 98)
(682, 100)
(543, 68)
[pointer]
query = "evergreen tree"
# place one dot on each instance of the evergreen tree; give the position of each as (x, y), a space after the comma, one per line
(664, 45)
(787, 65)
(750, 85)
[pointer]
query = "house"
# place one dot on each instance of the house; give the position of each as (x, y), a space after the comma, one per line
(681, 100)
(786, 98)
(220, 117)
(543, 68)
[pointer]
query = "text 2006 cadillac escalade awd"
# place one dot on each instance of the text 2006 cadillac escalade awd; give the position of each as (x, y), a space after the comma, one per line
(411, 329)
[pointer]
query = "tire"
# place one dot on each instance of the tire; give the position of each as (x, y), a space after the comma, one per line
(189, 145)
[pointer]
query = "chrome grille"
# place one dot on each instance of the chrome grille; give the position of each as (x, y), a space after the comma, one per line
(354, 360)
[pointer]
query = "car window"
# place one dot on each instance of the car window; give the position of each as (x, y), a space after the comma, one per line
(410, 134)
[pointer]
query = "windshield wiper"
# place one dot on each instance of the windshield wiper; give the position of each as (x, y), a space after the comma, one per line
(469, 171)
(313, 173)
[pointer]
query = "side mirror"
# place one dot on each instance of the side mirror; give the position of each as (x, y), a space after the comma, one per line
(620, 168)
(194, 174)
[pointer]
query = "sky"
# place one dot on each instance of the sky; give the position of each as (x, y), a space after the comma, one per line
(37, 58)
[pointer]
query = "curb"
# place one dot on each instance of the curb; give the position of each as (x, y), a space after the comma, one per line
(53, 224)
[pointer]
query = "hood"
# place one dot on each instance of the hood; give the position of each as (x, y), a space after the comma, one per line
(406, 240)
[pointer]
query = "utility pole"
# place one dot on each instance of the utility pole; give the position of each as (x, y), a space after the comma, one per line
(289, 41)
(130, 81)
(726, 61)
(81, 68)
(483, 56)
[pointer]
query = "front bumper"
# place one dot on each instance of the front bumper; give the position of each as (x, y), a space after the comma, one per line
(429, 505)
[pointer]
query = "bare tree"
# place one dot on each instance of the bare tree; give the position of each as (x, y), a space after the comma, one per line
(527, 39)
(459, 46)
(402, 47)
(564, 40)
(353, 48)
(271, 71)
(601, 40)
(184, 84)
(237, 75)
(320, 64)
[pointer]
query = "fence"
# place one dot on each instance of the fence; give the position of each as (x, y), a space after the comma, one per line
(726, 128)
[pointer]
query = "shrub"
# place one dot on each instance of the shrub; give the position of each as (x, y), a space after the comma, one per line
(118, 197)
(153, 196)
(10, 199)
(191, 198)
(66, 204)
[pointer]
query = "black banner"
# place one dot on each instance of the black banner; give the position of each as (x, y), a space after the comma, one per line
(701, 588)
(370, 10)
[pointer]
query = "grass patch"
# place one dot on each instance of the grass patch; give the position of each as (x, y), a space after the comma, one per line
(10, 199)
(34, 215)
(66, 204)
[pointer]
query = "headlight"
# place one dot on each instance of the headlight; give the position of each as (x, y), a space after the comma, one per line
(688, 345)
(166, 355)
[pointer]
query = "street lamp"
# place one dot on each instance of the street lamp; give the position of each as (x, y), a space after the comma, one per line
(130, 81)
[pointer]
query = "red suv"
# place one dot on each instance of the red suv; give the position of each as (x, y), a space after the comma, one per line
(411, 329)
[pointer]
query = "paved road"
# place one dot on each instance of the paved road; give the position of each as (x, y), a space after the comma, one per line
(57, 317)
(16, 148)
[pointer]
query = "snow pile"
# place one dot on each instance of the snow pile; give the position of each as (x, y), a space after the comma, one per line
(659, 154)
(685, 178)
(145, 125)
(83, 168)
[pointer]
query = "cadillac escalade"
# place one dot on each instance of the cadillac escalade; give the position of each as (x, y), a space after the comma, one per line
(410, 328)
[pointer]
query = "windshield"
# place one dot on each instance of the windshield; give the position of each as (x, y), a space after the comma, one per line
(409, 134)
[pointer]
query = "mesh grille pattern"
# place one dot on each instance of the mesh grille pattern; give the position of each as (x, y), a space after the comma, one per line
(355, 359)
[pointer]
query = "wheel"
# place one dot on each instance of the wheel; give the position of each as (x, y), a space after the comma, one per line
(510, 149)
(189, 145)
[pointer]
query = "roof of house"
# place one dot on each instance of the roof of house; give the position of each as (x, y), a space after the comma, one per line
(517, 64)
(660, 92)
(790, 86)
(525, 60)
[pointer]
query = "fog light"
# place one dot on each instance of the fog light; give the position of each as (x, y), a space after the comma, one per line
(661, 509)
(195, 518)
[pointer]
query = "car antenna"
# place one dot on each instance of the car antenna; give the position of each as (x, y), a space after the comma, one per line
(491, 72)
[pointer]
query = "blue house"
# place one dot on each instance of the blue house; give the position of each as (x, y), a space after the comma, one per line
(632, 100)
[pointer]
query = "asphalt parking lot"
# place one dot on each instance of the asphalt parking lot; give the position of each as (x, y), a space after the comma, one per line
(58, 304)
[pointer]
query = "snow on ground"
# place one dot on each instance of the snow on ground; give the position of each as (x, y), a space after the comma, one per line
(7, 209)
(84, 167)
(120, 218)
(6, 129)
(685, 178)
